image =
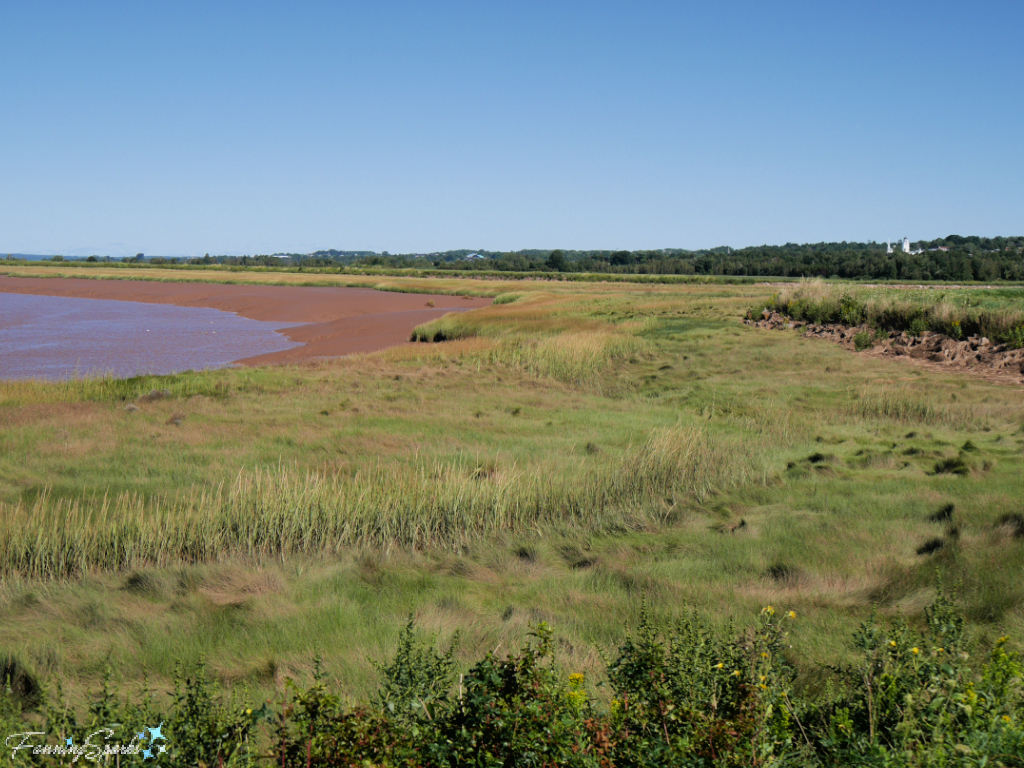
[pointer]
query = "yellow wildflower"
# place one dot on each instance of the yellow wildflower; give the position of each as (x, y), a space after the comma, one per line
(764, 654)
(576, 679)
(792, 614)
(719, 665)
(736, 673)
(915, 651)
(892, 643)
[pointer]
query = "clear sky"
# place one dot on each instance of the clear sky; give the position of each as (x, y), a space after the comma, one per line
(180, 128)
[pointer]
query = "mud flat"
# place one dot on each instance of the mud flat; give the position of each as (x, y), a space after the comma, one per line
(326, 322)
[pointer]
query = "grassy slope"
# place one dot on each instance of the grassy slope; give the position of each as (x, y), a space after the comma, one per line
(828, 457)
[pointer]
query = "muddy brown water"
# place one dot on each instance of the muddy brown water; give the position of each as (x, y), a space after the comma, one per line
(59, 328)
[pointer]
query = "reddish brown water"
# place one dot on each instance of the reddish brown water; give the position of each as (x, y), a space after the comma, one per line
(327, 321)
(56, 337)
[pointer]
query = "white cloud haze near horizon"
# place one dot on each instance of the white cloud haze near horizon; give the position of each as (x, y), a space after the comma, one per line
(236, 128)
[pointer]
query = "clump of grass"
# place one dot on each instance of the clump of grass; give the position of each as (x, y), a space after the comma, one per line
(931, 546)
(1012, 523)
(943, 514)
(507, 298)
(782, 573)
(445, 328)
(954, 465)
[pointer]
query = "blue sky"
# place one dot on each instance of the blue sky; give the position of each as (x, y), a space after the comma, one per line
(254, 127)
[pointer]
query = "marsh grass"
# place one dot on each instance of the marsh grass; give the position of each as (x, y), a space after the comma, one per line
(908, 406)
(958, 314)
(283, 511)
(455, 481)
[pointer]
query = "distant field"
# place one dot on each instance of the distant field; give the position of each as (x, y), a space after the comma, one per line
(573, 453)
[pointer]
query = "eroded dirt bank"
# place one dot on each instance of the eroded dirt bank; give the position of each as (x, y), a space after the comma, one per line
(327, 321)
(976, 355)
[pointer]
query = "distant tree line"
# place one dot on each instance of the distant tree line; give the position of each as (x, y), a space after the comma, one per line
(950, 258)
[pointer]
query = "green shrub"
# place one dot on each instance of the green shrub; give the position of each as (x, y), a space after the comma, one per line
(1013, 338)
(686, 695)
(917, 326)
(864, 340)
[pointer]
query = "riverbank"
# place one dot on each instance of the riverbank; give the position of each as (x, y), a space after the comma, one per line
(328, 321)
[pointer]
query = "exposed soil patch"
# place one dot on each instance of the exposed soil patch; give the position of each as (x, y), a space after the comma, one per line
(977, 354)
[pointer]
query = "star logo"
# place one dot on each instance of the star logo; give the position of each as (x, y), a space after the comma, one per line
(146, 754)
(154, 733)
(69, 742)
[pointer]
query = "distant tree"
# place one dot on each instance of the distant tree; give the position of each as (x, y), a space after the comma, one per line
(57, 258)
(92, 258)
(557, 261)
(140, 256)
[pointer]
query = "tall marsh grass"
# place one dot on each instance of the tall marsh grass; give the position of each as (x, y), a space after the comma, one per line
(557, 344)
(955, 313)
(275, 512)
(909, 407)
(574, 358)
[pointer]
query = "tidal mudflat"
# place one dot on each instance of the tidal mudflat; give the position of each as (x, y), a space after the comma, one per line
(56, 337)
(62, 328)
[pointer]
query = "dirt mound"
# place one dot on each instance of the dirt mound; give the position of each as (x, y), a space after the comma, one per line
(976, 353)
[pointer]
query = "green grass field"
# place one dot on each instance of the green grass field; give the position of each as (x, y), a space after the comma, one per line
(576, 453)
